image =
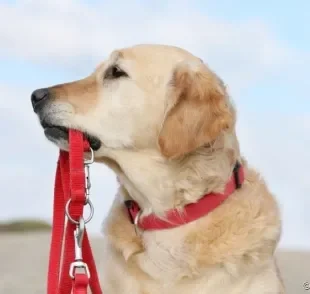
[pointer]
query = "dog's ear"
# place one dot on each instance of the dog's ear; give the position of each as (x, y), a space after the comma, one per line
(198, 111)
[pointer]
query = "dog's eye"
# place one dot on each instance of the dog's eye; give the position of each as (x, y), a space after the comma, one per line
(114, 72)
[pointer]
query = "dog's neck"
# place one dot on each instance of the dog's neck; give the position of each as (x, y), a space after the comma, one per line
(158, 184)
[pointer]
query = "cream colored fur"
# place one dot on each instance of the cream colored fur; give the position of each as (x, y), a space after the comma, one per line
(168, 132)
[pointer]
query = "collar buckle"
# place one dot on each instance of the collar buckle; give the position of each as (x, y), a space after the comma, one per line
(236, 172)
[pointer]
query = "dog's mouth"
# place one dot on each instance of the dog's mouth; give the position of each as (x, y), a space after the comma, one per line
(60, 133)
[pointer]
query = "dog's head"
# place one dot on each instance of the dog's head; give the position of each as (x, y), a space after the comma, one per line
(147, 96)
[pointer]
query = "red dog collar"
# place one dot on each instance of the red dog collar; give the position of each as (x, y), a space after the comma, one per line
(191, 212)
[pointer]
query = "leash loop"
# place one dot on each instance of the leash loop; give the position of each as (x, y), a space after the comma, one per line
(72, 267)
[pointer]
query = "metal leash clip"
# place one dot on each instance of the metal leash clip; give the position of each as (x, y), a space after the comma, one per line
(78, 240)
(80, 225)
(87, 164)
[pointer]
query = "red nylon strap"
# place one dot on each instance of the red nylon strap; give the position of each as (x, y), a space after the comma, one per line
(70, 184)
(80, 284)
(191, 212)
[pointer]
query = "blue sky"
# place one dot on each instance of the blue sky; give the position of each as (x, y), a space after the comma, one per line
(260, 48)
(286, 21)
(289, 21)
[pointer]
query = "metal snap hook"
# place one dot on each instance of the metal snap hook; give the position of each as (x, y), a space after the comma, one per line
(78, 240)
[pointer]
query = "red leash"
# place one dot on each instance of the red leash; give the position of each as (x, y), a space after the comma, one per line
(72, 269)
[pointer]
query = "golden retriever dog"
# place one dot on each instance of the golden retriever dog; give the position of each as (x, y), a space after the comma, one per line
(163, 121)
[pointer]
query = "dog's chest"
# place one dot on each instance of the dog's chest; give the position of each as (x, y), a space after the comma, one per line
(173, 272)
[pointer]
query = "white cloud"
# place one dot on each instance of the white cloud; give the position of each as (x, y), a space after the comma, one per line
(67, 31)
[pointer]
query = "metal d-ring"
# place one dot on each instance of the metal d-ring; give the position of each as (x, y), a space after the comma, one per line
(91, 206)
(136, 223)
(92, 157)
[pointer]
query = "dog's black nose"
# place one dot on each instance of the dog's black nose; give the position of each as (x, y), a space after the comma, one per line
(37, 97)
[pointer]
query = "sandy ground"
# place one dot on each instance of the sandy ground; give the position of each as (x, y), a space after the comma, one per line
(24, 257)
